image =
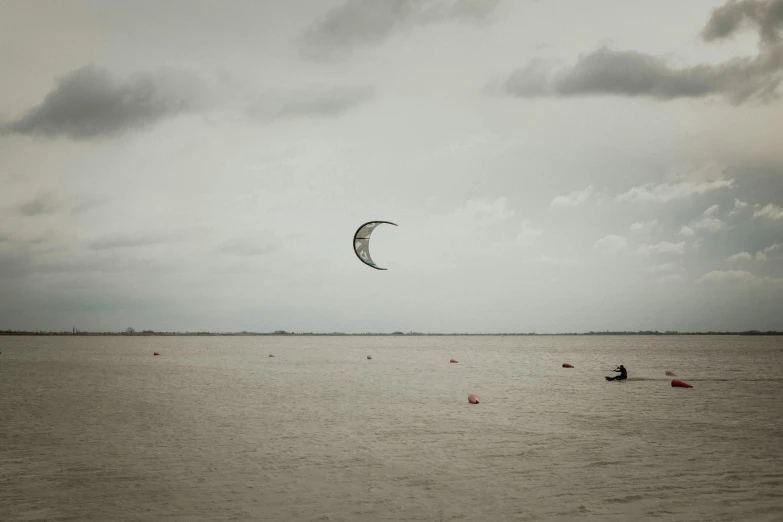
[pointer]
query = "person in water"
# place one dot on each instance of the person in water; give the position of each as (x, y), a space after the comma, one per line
(623, 374)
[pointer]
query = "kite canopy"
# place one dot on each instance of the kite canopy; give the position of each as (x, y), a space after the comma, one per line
(361, 242)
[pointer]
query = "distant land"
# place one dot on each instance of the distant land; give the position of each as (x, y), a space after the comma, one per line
(142, 333)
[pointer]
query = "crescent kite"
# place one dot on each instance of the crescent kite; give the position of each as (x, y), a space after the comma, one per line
(361, 242)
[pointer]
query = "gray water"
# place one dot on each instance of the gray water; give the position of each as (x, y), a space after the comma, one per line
(98, 429)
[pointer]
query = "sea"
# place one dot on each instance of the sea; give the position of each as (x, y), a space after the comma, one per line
(100, 429)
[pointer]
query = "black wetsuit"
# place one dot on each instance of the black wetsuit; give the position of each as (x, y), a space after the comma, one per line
(623, 375)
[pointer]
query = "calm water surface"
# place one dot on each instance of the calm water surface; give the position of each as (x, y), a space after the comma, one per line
(98, 429)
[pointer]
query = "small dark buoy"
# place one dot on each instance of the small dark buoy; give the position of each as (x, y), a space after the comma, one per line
(369, 357)
(566, 365)
(473, 398)
(680, 384)
(671, 374)
(271, 355)
(155, 353)
(453, 360)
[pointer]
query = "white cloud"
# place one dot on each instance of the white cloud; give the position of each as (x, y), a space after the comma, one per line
(643, 225)
(770, 211)
(761, 255)
(664, 247)
(686, 231)
(574, 198)
(664, 267)
(727, 276)
(736, 277)
(698, 243)
(666, 192)
(738, 206)
(710, 224)
(483, 212)
(742, 256)
(671, 278)
(527, 233)
(611, 243)
(712, 211)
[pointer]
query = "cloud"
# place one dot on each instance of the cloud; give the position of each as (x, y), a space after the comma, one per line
(770, 211)
(643, 226)
(134, 240)
(686, 231)
(660, 268)
(736, 277)
(527, 232)
(664, 247)
(327, 102)
(726, 20)
(482, 212)
(711, 211)
(665, 192)
(573, 199)
(742, 256)
(761, 255)
(670, 278)
(361, 23)
(738, 207)
(43, 203)
(710, 224)
(611, 243)
(607, 71)
(90, 102)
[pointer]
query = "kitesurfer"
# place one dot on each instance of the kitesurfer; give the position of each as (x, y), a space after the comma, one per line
(623, 374)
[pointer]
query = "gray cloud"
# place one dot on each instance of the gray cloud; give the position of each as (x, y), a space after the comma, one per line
(134, 240)
(726, 20)
(635, 74)
(43, 203)
(630, 73)
(358, 23)
(90, 102)
(330, 102)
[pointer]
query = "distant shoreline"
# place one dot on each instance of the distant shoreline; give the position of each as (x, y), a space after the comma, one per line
(148, 333)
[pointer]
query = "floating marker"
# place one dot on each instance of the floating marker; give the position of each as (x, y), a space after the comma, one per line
(566, 365)
(155, 353)
(680, 384)
(369, 357)
(671, 374)
(453, 360)
(473, 398)
(271, 355)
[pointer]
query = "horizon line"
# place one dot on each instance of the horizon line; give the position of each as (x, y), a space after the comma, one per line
(151, 333)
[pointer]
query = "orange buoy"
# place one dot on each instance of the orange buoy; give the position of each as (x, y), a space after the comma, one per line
(369, 357)
(453, 360)
(671, 374)
(680, 384)
(473, 398)
(271, 355)
(155, 353)
(566, 365)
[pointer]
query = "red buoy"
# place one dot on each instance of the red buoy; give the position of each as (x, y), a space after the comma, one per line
(681, 384)
(473, 398)
(369, 358)
(453, 360)
(155, 353)
(671, 374)
(566, 365)
(271, 355)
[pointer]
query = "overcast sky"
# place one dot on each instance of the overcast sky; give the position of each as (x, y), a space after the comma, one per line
(552, 166)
